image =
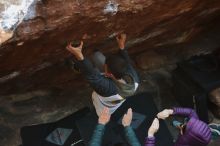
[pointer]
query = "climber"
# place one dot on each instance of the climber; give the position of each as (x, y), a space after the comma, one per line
(193, 132)
(104, 118)
(113, 80)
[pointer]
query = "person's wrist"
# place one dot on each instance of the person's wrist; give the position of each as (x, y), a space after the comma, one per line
(126, 125)
(102, 123)
(150, 134)
(79, 57)
(121, 46)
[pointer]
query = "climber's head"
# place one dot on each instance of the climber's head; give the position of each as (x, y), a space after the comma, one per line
(116, 65)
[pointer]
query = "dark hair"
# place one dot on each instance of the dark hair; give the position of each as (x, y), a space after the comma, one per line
(117, 65)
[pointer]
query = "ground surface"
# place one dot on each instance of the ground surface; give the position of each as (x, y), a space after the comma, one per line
(43, 106)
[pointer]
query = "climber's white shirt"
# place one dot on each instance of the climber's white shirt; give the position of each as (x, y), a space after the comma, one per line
(100, 102)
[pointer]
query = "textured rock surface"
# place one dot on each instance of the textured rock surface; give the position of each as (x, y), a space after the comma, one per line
(33, 73)
(168, 28)
(150, 24)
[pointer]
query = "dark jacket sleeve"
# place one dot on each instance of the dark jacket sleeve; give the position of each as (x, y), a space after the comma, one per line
(101, 84)
(131, 137)
(187, 112)
(150, 141)
(98, 133)
(131, 70)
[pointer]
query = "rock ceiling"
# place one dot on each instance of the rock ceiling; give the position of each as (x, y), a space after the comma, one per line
(34, 34)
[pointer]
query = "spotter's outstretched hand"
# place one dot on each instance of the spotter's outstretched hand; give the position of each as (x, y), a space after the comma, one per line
(165, 114)
(126, 121)
(154, 127)
(104, 116)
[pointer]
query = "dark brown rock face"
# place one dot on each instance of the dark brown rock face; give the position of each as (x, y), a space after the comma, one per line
(37, 86)
(159, 32)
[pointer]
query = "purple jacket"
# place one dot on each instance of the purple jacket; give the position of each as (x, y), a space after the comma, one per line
(197, 133)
